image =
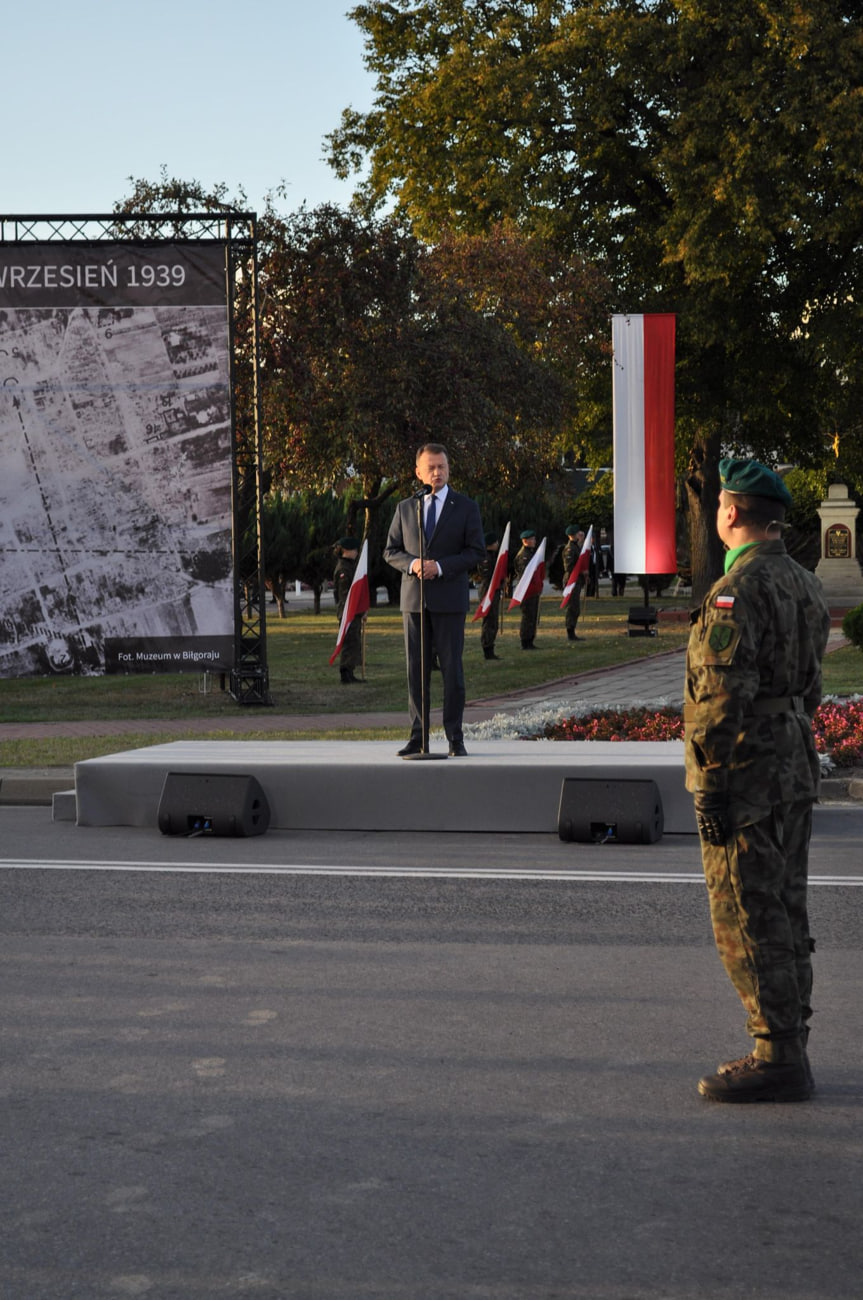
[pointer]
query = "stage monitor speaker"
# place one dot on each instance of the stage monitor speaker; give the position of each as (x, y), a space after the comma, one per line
(597, 811)
(212, 803)
(642, 620)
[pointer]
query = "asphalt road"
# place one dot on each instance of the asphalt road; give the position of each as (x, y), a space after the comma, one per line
(331, 1065)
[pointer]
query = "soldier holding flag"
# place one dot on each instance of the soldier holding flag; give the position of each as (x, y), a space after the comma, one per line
(351, 591)
(492, 572)
(529, 575)
(576, 560)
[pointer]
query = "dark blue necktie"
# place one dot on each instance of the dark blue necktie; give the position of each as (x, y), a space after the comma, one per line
(430, 518)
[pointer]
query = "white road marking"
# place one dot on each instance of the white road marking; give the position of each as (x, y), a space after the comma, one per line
(413, 873)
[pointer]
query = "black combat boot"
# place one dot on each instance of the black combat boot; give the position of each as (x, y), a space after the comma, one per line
(347, 676)
(488, 651)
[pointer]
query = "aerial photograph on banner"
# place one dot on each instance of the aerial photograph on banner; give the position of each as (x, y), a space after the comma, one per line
(115, 443)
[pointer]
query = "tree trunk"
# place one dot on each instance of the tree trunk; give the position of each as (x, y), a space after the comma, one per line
(702, 493)
(277, 587)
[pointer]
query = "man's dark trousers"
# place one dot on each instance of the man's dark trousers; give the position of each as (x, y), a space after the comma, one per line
(446, 633)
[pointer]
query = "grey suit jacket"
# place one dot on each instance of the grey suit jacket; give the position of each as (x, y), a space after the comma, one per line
(457, 544)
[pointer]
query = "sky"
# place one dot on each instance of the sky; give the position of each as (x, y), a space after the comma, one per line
(97, 91)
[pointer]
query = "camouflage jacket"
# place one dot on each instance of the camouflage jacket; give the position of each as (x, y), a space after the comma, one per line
(753, 681)
(342, 579)
(571, 552)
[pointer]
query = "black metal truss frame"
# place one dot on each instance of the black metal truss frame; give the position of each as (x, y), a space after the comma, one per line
(249, 679)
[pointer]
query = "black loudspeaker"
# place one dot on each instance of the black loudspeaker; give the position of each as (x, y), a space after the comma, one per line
(212, 803)
(596, 811)
(642, 620)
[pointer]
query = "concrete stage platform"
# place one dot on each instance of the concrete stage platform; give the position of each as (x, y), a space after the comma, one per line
(502, 785)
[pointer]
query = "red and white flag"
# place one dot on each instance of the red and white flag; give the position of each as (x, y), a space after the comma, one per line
(497, 578)
(643, 391)
(579, 568)
(531, 581)
(357, 602)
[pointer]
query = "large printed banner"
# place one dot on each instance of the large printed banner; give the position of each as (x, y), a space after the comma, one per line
(115, 459)
(643, 392)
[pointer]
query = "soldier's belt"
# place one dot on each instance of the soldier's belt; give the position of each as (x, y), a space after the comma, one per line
(760, 707)
(779, 704)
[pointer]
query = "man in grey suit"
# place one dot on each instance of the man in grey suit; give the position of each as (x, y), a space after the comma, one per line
(453, 546)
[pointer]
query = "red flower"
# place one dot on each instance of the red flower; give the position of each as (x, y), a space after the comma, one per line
(837, 727)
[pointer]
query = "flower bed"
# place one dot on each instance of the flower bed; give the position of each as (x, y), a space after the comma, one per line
(838, 727)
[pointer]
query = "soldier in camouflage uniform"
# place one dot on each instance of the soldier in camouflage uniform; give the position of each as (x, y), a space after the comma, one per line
(352, 653)
(753, 681)
(485, 573)
(530, 605)
(571, 552)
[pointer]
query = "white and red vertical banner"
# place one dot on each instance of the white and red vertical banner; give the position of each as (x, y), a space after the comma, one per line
(532, 580)
(358, 601)
(643, 392)
(497, 578)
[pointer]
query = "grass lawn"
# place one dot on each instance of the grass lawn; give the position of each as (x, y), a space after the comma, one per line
(302, 682)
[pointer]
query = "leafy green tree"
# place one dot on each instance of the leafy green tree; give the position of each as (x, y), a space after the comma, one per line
(705, 154)
(300, 532)
(373, 343)
(283, 537)
(378, 344)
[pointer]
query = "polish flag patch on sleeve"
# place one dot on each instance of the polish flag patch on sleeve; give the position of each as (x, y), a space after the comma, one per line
(724, 602)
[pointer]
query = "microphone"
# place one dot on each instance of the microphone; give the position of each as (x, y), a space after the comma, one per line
(424, 491)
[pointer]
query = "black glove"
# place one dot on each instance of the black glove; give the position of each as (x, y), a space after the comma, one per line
(711, 815)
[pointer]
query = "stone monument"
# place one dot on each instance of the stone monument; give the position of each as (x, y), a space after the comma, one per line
(838, 568)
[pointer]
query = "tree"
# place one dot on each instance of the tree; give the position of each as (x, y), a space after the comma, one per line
(707, 156)
(300, 532)
(377, 346)
(369, 348)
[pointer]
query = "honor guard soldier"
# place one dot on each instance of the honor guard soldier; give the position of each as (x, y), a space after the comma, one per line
(571, 552)
(491, 622)
(530, 605)
(753, 681)
(351, 655)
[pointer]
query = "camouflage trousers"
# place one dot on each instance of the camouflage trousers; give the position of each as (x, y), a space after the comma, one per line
(573, 610)
(757, 886)
(529, 619)
(490, 624)
(352, 646)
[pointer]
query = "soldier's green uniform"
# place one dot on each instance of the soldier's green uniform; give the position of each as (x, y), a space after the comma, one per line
(485, 573)
(571, 552)
(351, 654)
(753, 681)
(530, 605)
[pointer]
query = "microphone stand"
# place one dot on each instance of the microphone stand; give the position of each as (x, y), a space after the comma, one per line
(424, 702)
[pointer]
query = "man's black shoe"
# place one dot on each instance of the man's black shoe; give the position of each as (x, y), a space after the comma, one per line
(412, 747)
(457, 749)
(750, 1080)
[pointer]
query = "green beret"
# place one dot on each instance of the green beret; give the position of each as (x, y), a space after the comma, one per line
(572, 529)
(349, 543)
(751, 478)
(528, 532)
(490, 539)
